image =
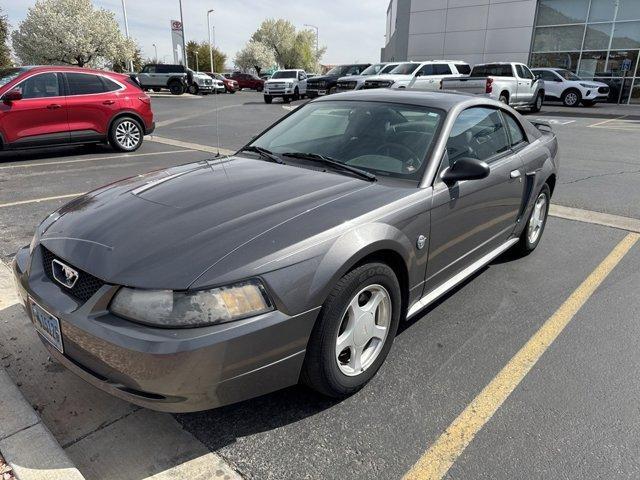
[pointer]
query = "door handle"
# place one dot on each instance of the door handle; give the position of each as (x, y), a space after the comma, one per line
(515, 174)
(54, 106)
(108, 102)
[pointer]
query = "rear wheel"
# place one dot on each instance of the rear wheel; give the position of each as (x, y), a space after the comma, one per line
(176, 88)
(354, 332)
(126, 134)
(156, 89)
(268, 99)
(504, 98)
(533, 230)
(571, 98)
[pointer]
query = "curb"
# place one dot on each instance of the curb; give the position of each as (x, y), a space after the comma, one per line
(26, 443)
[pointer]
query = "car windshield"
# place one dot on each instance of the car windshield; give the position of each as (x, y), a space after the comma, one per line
(8, 74)
(344, 70)
(568, 75)
(385, 139)
(388, 68)
(285, 74)
(373, 69)
(405, 68)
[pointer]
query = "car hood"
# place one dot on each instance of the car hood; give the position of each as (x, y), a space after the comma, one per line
(389, 76)
(280, 80)
(590, 83)
(330, 78)
(166, 228)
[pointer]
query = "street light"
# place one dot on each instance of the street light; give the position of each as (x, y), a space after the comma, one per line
(197, 63)
(213, 68)
(126, 30)
(316, 28)
(156, 48)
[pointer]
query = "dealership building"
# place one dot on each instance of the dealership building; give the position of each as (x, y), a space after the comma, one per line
(597, 39)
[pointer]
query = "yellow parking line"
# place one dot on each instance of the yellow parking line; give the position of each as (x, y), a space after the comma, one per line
(439, 458)
(606, 121)
(38, 200)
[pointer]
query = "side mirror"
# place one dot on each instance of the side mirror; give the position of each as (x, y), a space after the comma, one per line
(12, 96)
(466, 168)
(418, 74)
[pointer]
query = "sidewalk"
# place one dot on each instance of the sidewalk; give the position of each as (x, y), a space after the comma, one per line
(599, 110)
(79, 425)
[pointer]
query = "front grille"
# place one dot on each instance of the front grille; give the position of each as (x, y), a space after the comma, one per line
(376, 84)
(603, 90)
(277, 85)
(86, 286)
(347, 85)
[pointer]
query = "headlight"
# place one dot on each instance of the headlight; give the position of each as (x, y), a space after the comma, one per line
(588, 85)
(166, 308)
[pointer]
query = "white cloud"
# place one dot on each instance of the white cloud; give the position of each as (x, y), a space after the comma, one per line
(351, 30)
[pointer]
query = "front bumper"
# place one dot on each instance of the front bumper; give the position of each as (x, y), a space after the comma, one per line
(172, 370)
(316, 92)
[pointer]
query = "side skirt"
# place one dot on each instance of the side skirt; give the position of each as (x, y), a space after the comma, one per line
(437, 292)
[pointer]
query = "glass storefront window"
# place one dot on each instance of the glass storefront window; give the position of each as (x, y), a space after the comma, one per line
(597, 36)
(614, 89)
(617, 57)
(628, 10)
(568, 60)
(561, 12)
(557, 39)
(601, 11)
(626, 35)
(592, 64)
(635, 93)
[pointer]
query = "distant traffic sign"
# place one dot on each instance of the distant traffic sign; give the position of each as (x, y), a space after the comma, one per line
(626, 64)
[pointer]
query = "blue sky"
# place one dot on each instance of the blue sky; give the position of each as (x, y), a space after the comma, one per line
(352, 30)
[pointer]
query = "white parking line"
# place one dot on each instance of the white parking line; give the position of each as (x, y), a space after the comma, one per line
(92, 159)
(192, 146)
(39, 200)
(165, 123)
(597, 218)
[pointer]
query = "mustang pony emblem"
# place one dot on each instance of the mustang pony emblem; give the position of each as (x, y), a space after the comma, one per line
(64, 274)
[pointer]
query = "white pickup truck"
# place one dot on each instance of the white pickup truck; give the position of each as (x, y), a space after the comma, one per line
(511, 83)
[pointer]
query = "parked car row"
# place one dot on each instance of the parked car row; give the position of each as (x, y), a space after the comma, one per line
(178, 80)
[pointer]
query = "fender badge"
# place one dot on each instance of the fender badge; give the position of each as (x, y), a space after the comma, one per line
(421, 242)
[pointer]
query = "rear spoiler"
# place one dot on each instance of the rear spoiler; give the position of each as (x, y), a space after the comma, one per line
(134, 77)
(542, 125)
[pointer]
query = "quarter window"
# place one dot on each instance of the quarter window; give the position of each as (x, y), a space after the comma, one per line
(84, 84)
(40, 86)
(110, 85)
(515, 130)
(477, 133)
(441, 69)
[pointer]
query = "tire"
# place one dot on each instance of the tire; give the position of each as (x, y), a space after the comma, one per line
(286, 99)
(156, 89)
(528, 241)
(537, 105)
(588, 103)
(332, 90)
(571, 98)
(504, 98)
(176, 88)
(296, 94)
(193, 89)
(268, 99)
(338, 374)
(126, 134)
(232, 91)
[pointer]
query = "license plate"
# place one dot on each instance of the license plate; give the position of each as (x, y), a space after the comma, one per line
(322, 92)
(46, 325)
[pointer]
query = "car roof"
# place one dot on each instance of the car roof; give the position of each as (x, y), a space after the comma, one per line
(441, 100)
(67, 68)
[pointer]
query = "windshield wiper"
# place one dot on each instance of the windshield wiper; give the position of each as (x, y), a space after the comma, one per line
(263, 152)
(331, 162)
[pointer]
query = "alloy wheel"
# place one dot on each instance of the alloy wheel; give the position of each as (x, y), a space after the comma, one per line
(363, 330)
(127, 134)
(571, 99)
(538, 217)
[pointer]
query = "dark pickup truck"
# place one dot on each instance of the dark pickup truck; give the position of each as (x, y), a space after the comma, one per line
(328, 83)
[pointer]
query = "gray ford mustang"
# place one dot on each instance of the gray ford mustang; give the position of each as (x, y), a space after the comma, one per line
(293, 260)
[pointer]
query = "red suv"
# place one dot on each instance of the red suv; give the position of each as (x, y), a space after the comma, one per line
(246, 80)
(42, 106)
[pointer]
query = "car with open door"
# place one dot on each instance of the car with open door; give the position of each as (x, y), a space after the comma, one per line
(293, 260)
(45, 106)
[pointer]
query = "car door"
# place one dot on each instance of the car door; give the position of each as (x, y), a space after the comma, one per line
(553, 84)
(525, 84)
(40, 117)
(470, 218)
(92, 101)
(423, 77)
(302, 83)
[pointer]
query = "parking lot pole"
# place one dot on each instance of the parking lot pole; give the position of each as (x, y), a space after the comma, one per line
(209, 12)
(126, 30)
(184, 39)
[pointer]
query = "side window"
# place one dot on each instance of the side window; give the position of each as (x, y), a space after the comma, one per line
(515, 130)
(520, 71)
(527, 73)
(84, 84)
(425, 70)
(149, 69)
(110, 85)
(441, 69)
(301, 76)
(463, 68)
(40, 86)
(477, 133)
(548, 76)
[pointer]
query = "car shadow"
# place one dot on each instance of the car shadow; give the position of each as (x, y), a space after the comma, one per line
(51, 153)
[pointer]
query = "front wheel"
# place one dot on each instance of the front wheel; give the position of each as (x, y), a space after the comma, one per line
(354, 332)
(532, 233)
(193, 89)
(537, 105)
(296, 94)
(588, 103)
(126, 134)
(268, 99)
(571, 98)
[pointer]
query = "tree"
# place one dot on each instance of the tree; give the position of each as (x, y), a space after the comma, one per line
(122, 65)
(70, 32)
(255, 55)
(291, 49)
(5, 57)
(204, 59)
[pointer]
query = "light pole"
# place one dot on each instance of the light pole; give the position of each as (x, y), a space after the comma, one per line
(213, 68)
(156, 49)
(317, 50)
(197, 63)
(184, 38)
(126, 30)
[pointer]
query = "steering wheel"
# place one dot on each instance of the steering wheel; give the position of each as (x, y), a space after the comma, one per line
(406, 150)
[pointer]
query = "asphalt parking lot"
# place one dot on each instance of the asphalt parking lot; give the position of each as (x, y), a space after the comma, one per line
(574, 414)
